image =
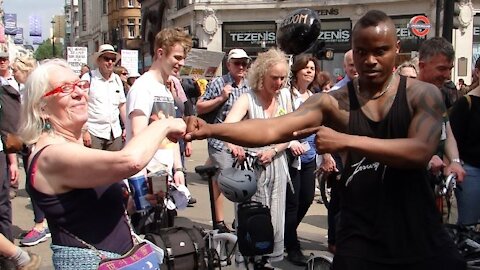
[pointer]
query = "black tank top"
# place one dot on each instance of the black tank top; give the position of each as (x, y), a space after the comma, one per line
(95, 215)
(388, 215)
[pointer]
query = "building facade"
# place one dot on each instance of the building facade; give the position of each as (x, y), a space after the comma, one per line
(221, 25)
(93, 23)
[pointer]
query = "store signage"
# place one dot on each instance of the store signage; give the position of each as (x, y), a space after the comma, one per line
(253, 37)
(335, 36)
(325, 12)
(420, 25)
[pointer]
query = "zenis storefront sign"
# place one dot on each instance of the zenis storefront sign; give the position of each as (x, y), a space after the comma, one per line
(244, 35)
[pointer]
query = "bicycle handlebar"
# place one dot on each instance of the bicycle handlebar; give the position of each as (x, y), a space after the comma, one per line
(450, 183)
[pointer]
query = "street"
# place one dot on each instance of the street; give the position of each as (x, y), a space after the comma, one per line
(311, 232)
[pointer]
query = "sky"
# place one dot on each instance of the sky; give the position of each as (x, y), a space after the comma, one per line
(43, 8)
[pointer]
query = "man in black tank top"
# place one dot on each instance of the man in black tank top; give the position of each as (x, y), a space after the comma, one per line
(389, 128)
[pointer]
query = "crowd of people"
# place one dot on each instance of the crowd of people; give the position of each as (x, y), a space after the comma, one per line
(387, 125)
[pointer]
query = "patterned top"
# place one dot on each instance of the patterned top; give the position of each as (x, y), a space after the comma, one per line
(215, 89)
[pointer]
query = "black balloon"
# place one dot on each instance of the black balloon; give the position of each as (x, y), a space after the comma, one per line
(299, 31)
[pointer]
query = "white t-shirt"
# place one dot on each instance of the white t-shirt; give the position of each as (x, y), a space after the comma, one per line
(104, 99)
(153, 99)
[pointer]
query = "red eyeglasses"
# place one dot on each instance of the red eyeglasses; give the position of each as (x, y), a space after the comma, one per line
(68, 88)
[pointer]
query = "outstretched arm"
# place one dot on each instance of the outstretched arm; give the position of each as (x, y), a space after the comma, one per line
(260, 132)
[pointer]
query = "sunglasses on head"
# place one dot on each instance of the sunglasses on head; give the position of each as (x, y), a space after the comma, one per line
(106, 58)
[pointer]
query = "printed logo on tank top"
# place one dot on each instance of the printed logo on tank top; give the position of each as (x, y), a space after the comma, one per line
(361, 167)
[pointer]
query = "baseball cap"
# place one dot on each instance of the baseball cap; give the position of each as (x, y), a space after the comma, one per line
(237, 54)
(4, 54)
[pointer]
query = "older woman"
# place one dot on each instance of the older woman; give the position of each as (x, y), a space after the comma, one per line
(78, 188)
(267, 99)
(21, 68)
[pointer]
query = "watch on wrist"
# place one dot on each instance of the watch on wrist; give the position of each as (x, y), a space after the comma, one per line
(179, 170)
(275, 150)
(457, 160)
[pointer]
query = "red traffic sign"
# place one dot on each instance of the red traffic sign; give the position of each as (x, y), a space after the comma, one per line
(420, 25)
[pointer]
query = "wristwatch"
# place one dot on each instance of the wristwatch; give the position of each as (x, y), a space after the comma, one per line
(457, 160)
(179, 170)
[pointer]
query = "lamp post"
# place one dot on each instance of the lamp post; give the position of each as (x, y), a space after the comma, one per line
(53, 37)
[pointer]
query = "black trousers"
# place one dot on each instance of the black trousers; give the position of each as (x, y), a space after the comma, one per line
(297, 203)
(5, 204)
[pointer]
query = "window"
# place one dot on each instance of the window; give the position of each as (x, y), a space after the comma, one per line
(84, 15)
(181, 4)
(104, 7)
(131, 3)
(131, 28)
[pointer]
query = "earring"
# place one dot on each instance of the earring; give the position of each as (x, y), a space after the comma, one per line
(47, 126)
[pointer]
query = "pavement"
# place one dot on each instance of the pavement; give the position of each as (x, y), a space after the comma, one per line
(312, 231)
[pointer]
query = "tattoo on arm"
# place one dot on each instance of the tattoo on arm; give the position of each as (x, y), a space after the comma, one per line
(432, 104)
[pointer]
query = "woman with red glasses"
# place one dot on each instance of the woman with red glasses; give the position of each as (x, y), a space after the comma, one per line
(79, 188)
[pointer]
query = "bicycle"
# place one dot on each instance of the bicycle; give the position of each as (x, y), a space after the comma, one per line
(444, 188)
(220, 246)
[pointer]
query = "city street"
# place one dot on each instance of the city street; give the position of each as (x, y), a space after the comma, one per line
(312, 231)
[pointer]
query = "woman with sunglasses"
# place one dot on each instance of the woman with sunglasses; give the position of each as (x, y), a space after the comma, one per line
(79, 188)
(122, 72)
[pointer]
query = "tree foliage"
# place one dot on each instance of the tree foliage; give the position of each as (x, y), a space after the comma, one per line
(45, 51)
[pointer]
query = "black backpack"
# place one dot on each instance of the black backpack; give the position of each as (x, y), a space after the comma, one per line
(255, 229)
(184, 248)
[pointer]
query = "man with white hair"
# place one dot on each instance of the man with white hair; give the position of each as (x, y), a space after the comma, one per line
(106, 102)
(350, 71)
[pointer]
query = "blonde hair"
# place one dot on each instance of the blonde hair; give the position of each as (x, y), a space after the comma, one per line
(262, 65)
(168, 37)
(24, 63)
(37, 84)
(412, 63)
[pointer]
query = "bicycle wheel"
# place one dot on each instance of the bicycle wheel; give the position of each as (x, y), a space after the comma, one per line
(324, 189)
(319, 263)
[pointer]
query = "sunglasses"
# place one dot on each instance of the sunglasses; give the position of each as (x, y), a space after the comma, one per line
(106, 58)
(68, 88)
(124, 73)
(240, 63)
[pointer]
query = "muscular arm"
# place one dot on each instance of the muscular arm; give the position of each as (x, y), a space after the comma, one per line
(260, 132)
(423, 134)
